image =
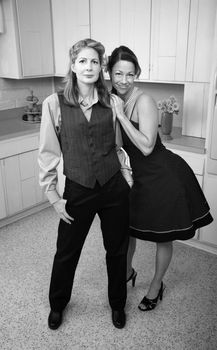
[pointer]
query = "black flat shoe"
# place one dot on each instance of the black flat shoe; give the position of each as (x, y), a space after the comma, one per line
(132, 277)
(149, 304)
(118, 318)
(54, 319)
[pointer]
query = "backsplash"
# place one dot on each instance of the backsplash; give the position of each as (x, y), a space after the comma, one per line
(159, 91)
(13, 92)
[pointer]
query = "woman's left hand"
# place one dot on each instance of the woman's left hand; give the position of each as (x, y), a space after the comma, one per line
(119, 106)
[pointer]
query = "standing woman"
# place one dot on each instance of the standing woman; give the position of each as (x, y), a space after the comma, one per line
(79, 123)
(166, 200)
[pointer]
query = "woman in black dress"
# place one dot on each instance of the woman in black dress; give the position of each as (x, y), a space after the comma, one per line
(166, 200)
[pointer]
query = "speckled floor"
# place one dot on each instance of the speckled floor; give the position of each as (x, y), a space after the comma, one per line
(185, 320)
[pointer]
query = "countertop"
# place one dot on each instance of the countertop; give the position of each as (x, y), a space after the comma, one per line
(16, 127)
(184, 143)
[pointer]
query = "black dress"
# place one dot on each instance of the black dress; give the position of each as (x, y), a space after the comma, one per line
(166, 200)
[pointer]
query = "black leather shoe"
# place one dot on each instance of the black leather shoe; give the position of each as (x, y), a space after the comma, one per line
(118, 318)
(54, 319)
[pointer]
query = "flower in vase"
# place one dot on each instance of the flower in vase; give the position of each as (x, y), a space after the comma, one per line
(169, 105)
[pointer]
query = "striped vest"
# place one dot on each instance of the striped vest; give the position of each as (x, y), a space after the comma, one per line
(88, 147)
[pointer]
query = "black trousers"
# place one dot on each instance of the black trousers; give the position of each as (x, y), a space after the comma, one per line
(110, 202)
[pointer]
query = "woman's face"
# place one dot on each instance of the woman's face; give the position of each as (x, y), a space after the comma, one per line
(123, 76)
(87, 66)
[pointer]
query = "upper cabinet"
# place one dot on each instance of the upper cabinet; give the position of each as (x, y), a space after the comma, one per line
(26, 42)
(169, 40)
(200, 40)
(123, 22)
(70, 24)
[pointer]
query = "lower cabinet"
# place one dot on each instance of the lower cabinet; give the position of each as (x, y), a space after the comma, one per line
(3, 213)
(208, 234)
(206, 237)
(19, 184)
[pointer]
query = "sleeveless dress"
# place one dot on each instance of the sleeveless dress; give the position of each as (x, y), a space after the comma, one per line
(166, 200)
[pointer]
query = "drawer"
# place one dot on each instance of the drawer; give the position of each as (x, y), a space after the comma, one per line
(18, 145)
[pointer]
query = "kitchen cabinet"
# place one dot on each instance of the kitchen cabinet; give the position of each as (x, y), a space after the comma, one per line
(169, 42)
(2, 195)
(197, 162)
(123, 22)
(70, 24)
(26, 43)
(200, 41)
(19, 175)
(208, 234)
(195, 109)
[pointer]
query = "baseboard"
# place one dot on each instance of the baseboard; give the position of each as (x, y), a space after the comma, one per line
(23, 214)
(201, 245)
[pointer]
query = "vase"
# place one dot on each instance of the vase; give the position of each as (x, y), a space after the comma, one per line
(166, 125)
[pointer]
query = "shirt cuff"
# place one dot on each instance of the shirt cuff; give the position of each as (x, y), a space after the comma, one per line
(53, 196)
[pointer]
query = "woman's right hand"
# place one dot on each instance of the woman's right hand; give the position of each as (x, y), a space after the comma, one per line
(119, 106)
(60, 207)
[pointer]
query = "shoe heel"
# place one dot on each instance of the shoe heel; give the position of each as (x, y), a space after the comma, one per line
(134, 279)
(162, 291)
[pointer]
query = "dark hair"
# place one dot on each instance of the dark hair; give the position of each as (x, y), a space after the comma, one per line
(71, 91)
(123, 53)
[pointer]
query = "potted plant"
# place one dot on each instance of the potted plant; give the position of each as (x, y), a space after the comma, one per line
(168, 107)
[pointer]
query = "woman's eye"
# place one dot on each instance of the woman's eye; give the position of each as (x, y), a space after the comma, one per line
(118, 74)
(95, 62)
(82, 61)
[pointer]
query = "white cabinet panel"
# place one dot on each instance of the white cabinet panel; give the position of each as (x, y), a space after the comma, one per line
(19, 176)
(123, 22)
(2, 195)
(28, 192)
(169, 39)
(26, 43)
(26, 162)
(195, 108)
(70, 24)
(200, 42)
(13, 185)
(40, 196)
(208, 234)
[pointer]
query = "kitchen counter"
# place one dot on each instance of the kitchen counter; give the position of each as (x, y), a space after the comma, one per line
(16, 127)
(184, 143)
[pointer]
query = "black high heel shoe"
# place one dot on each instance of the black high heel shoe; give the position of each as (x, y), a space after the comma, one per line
(132, 277)
(149, 304)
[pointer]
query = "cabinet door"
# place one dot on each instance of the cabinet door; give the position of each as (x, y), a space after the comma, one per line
(201, 36)
(40, 196)
(34, 21)
(127, 22)
(70, 24)
(27, 179)
(26, 44)
(208, 233)
(195, 108)
(13, 184)
(2, 195)
(169, 39)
